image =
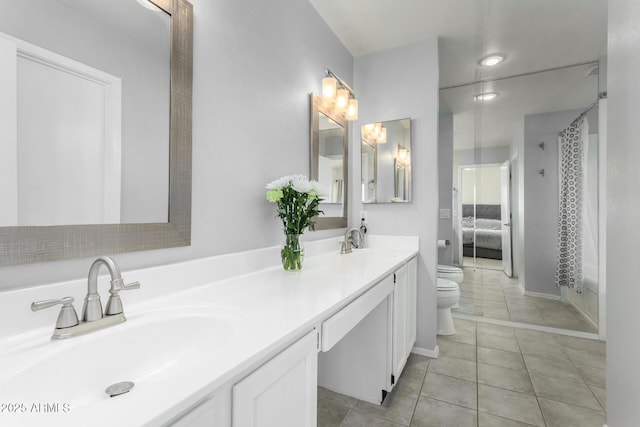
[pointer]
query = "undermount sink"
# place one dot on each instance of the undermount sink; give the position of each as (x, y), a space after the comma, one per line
(149, 349)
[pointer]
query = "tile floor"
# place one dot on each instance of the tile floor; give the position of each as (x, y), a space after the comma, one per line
(492, 294)
(486, 263)
(488, 375)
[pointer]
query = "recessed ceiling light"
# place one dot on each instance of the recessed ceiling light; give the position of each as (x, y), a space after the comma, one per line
(487, 96)
(492, 59)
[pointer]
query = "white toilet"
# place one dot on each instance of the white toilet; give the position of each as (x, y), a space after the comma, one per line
(448, 295)
(452, 273)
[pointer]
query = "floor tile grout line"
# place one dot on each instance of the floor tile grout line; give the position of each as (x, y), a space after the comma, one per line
(477, 382)
(424, 379)
(544, 420)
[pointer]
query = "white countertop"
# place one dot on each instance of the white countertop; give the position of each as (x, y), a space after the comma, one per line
(259, 313)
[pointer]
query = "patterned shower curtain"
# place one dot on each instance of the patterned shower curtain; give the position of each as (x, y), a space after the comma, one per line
(572, 144)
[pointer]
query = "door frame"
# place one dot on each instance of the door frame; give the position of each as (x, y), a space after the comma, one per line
(458, 219)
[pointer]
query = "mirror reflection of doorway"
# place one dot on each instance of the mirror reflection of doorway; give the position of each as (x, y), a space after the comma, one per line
(483, 224)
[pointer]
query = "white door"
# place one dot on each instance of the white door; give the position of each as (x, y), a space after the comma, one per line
(505, 180)
(59, 139)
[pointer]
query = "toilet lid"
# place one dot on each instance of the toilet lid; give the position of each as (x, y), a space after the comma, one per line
(448, 269)
(447, 285)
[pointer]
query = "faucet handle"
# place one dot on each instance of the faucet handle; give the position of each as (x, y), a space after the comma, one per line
(118, 285)
(67, 317)
(114, 304)
(129, 286)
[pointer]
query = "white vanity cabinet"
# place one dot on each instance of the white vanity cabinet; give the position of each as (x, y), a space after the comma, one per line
(206, 414)
(365, 358)
(404, 315)
(283, 391)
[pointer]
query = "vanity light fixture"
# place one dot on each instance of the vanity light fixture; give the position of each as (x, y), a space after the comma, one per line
(374, 133)
(336, 90)
(487, 96)
(492, 59)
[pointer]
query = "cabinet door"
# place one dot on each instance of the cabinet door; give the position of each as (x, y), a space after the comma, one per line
(283, 391)
(205, 415)
(412, 299)
(399, 321)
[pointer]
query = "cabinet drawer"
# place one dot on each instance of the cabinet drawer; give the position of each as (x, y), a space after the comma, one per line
(339, 325)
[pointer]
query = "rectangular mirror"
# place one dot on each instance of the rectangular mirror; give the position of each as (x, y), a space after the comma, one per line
(329, 162)
(95, 142)
(86, 123)
(386, 161)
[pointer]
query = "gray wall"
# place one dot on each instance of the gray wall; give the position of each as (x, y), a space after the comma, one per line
(445, 185)
(541, 196)
(623, 205)
(255, 63)
(392, 84)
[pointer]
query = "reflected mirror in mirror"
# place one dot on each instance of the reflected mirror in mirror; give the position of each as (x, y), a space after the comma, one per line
(328, 162)
(87, 134)
(330, 159)
(386, 162)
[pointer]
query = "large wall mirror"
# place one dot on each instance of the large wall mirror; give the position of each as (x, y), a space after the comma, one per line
(386, 161)
(95, 127)
(329, 162)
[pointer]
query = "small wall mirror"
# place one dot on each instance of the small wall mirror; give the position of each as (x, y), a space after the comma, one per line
(386, 161)
(329, 162)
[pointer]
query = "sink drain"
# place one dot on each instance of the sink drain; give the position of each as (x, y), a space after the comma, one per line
(119, 388)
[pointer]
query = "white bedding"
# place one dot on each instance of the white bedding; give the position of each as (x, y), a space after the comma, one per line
(488, 232)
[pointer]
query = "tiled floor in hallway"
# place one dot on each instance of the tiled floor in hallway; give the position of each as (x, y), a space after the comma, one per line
(488, 375)
(491, 294)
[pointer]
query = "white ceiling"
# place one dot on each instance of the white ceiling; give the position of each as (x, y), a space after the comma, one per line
(535, 34)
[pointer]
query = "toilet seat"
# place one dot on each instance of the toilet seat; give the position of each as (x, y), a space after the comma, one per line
(446, 285)
(442, 268)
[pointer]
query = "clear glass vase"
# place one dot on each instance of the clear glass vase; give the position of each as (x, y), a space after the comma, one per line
(292, 253)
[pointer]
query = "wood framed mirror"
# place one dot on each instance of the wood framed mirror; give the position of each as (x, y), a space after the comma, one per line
(329, 162)
(66, 239)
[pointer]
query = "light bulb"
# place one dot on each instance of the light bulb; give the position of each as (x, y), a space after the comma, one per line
(329, 88)
(492, 59)
(487, 96)
(352, 109)
(382, 138)
(342, 99)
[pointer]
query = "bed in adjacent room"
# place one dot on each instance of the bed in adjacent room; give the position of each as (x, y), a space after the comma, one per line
(485, 229)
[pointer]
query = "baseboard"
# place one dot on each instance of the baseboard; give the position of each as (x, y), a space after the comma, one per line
(542, 295)
(521, 288)
(426, 352)
(569, 332)
(583, 313)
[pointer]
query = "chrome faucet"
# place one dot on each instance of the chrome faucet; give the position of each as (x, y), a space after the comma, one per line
(92, 309)
(348, 241)
(68, 326)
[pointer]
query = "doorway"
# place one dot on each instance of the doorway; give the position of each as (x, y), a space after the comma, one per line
(483, 220)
